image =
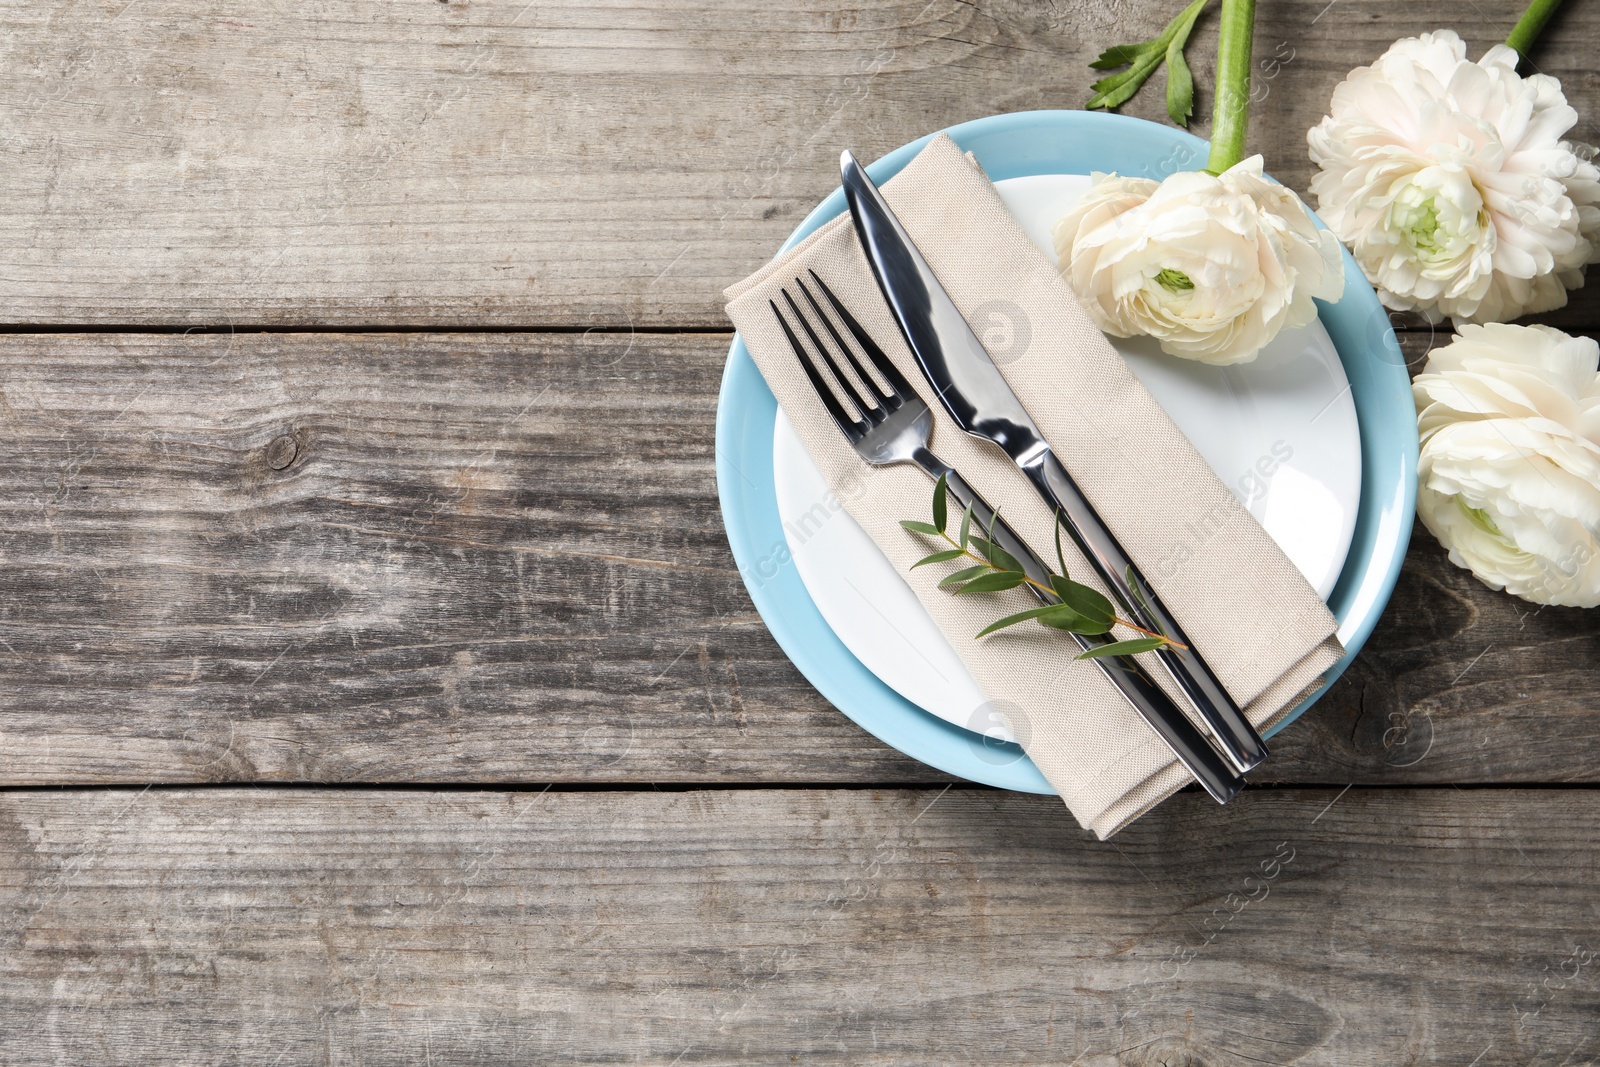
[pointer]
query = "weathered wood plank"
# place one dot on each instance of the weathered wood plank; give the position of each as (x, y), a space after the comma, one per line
(905, 927)
(501, 162)
(459, 576)
(497, 556)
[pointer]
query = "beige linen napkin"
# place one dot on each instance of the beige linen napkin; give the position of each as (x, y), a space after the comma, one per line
(1264, 630)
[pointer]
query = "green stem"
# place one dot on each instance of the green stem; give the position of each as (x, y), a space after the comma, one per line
(1531, 25)
(1231, 117)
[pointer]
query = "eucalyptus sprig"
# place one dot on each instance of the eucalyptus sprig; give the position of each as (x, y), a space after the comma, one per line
(1143, 59)
(1078, 609)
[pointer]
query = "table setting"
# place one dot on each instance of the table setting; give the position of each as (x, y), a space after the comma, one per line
(727, 533)
(1282, 565)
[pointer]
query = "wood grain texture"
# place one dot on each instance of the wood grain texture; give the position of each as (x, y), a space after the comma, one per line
(459, 576)
(416, 558)
(463, 567)
(902, 927)
(500, 162)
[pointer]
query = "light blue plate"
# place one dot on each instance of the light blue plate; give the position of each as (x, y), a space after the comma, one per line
(1011, 146)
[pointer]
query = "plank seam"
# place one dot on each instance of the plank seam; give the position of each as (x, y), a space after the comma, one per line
(703, 787)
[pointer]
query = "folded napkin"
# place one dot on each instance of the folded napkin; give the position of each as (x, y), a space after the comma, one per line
(1265, 631)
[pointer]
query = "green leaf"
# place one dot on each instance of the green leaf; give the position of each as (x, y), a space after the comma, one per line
(1143, 59)
(1021, 616)
(1131, 647)
(1180, 81)
(1064, 618)
(1180, 85)
(1003, 559)
(1120, 55)
(939, 505)
(994, 582)
(939, 557)
(1119, 88)
(996, 555)
(965, 574)
(920, 527)
(966, 526)
(1089, 603)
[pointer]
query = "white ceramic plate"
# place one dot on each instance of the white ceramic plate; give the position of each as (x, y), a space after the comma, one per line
(1281, 432)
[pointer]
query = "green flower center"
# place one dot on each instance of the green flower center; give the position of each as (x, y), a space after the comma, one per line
(1423, 227)
(1479, 518)
(1174, 281)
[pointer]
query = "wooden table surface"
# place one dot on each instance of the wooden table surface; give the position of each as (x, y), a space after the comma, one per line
(365, 703)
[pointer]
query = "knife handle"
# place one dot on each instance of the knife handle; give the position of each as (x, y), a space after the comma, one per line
(1127, 674)
(1239, 740)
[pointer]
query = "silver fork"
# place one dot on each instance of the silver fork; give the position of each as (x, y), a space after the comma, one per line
(894, 427)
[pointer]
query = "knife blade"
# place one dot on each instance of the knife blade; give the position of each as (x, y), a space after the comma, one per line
(976, 395)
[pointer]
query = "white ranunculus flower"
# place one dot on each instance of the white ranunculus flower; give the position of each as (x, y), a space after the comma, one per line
(1509, 479)
(1211, 266)
(1451, 183)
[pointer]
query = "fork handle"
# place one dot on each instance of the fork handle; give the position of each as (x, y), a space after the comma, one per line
(1124, 672)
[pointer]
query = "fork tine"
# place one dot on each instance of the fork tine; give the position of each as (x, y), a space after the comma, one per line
(890, 402)
(886, 367)
(852, 429)
(869, 414)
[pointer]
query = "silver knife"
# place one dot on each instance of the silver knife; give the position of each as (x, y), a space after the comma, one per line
(972, 389)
